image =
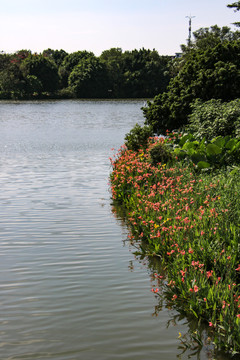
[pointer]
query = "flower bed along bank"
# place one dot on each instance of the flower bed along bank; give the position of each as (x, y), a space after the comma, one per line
(190, 221)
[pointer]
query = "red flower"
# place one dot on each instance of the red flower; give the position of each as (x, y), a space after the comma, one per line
(196, 288)
(209, 273)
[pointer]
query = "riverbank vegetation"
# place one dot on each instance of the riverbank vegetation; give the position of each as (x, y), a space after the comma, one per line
(57, 74)
(181, 190)
(189, 219)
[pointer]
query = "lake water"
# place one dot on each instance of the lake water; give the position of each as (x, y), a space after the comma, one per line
(70, 286)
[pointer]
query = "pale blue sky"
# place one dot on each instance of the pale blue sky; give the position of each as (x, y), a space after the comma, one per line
(97, 25)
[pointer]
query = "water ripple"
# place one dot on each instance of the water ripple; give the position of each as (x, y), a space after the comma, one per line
(66, 290)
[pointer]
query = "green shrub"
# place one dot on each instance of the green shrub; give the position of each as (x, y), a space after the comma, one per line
(213, 118)
(205, 154)
(138, 137)
(160, 154)
(66, 93)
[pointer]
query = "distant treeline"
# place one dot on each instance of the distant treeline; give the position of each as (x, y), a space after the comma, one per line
(81, 74)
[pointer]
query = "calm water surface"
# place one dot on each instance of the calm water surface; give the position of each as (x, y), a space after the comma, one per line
(70, 287)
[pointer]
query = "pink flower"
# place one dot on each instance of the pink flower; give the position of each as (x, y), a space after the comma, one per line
(196, 288)
(209, 273)
(183, 272)
(210, 323)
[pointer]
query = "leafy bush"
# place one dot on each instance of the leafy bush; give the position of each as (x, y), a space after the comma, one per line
(159, 153)
(205, 74)
(138, 137)
(214, 118)
(219, 152)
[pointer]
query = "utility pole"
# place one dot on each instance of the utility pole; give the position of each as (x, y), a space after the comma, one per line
(190, 28)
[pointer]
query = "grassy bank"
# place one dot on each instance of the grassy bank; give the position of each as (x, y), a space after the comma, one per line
(190, 221)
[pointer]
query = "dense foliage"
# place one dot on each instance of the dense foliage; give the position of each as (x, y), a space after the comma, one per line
(138, 137)
(219, 152)
(81, 74)
(89, 78)
(190, 220)
(137, 73)
(209, 69)
(214, 118)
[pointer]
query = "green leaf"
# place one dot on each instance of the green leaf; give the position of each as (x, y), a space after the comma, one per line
(231, 143)
(180, 153)
(219, 141)
(189, 145)
(203, 165)
(194, 313)
(213, 149)
(197, 157)
(185, 138)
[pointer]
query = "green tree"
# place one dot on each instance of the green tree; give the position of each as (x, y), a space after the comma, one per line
(33, 86)
(69, 62)
(211, 37)
(12, 82)
(236, 6)
(56, 55)
(144, 73)
(205, 73)
(89, 79)
(137, 73)
(44, 69)
(113, 60)
(4, 60)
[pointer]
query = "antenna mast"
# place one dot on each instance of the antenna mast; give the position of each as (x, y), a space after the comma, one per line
(190, 28)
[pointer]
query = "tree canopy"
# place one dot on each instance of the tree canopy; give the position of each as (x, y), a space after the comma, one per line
(89, 79)
(55, 73)
(44, 69)
(205, 72)
(236, 6)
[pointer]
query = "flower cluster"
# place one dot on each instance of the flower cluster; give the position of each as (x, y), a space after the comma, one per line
(183, 217)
